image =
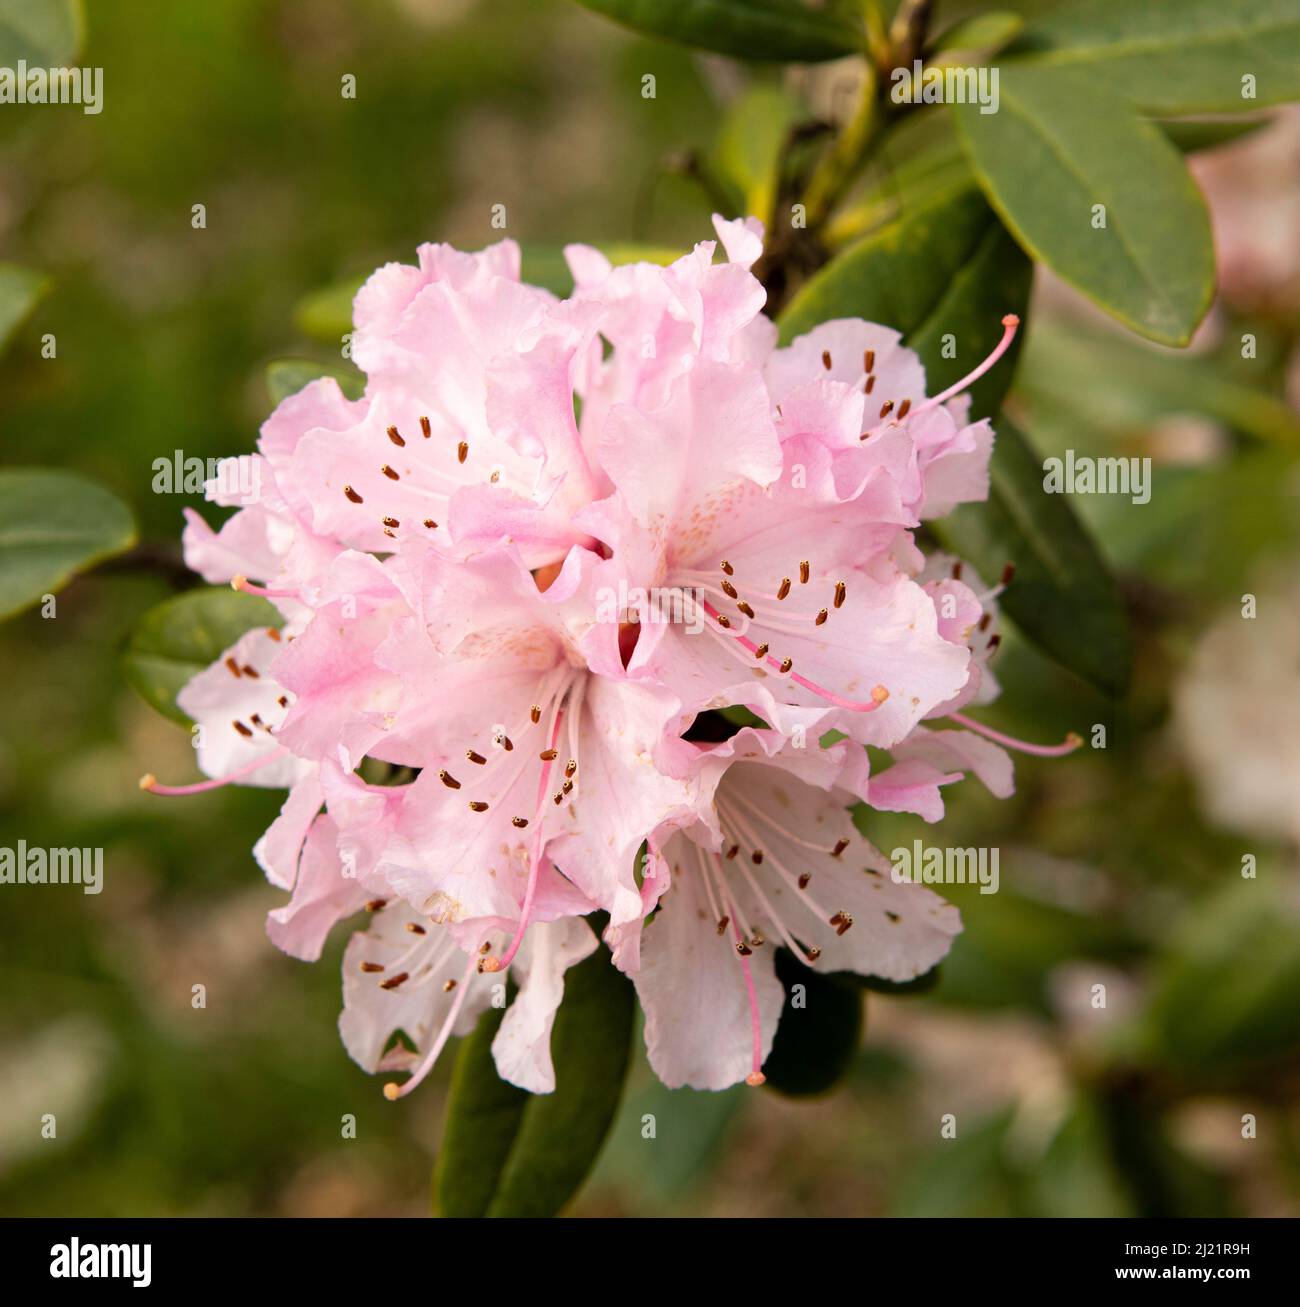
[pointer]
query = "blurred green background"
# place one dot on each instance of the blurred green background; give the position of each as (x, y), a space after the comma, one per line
(1120, 866)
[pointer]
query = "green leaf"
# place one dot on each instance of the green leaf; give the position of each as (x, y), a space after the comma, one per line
(1051, 154)
(1174, 56)
(783, 30)
(974, 39)
(45, 33)
(1063, 597)
(178, 638)
(817, 1039)
(750, 146)
(1192, 134)
(21, 290)
(285, 377)
(501, 1156)
(53, 525)
(484, 1114)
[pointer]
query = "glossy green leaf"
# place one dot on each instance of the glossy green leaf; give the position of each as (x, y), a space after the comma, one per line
(21, 290)
(1193, 134)
(1052, 154)
(1174, 56)
(45, 33)
(52, 526)
(1063, 597)
(786, 30)
(178, 638)
(285, 377)
(819, 1032)
(504, 1157)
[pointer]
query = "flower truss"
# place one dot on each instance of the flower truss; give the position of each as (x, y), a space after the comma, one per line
(549, 538)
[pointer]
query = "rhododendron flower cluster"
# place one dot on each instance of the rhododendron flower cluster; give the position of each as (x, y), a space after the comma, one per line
(551, 536)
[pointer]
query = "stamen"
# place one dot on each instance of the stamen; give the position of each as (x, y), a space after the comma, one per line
(840, 592)
(535, 713)
(149, 782)
(869, 360)
(425, 429)
(449, 780)
(1009, 324)
(477, 805)
(462, 451)
(826, 359)
(727, 568)
(390, 473)
(784, 588)
(1071, 742)
(395, 437)
(476, 757)
(903, 409)
(394, 1091)
(245, 586)
(352, 495)
(805, 571)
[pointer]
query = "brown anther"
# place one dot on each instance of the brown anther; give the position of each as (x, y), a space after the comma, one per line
(826, 359)
(840, 592)
(804, 879)
(956, 570)
(994, 641)
(746, 609)
(731, 852)
(391, 534)
(570, 767)
(549, 755)
(449, 780)
(724, 621)
(256, 719)
(729, 590)
(743, 949)
(475, 757)
(519, 822)
(425, 430)
(448, 986)
(394, 981)
(841, 921)
(567, 787)
(559, 798)
(376, 905)
(756, 857)
(904, 408)
(535, 713)
(506, 743)
(871, 384)
(371, 967)
(822, 615)
(868, 360)
(727, 568)
(283, 701)
(232, 666)
(415, 928)
(784, 588)
(241, 728)
(477, 805)
(761, 652)
(391, 521)
(723, 923)
(984, 621)
(1008, 573)
(840, 846)
(886, 408)
(273, 633)
(395, 437)
(352, 495)
(812, 954)
(390, 473)
(893, 917)
(462, 451)
(430, 523)
(805, 571)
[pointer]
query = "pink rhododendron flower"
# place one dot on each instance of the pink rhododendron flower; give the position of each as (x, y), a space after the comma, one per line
(550, 536)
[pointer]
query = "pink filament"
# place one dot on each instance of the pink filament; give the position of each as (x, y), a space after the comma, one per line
(1068, 745)
(202, 787)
